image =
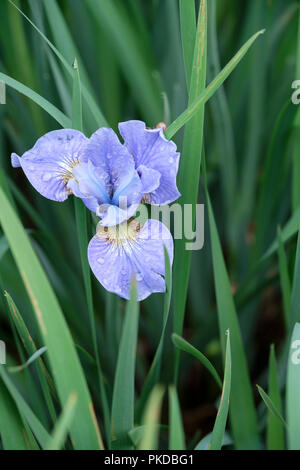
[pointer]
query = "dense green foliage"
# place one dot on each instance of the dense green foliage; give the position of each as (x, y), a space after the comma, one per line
(124, 375)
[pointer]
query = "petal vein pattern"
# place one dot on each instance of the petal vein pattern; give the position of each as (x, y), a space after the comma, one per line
(118, 254)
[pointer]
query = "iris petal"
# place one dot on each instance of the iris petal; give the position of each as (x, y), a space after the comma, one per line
(91, 182)
(114, 215)
(50, 163)
(130, 189)
(151, 149)
(105, 151)
(116, 261)
(108, 184)
(150, 178)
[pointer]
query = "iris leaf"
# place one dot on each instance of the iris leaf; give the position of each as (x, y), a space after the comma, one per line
(37, 428)
(58, 115)
(270, 405)
(61, 429)
(12, 429)
(196, 104)
(31, 360)
(123, 392)
(56, 335)
(96, 112)
(82, 232)
(220, 423)
(189, 171)
(292, 394)
(176, 439)
(275, 429)
(244, 425)
(154, 372)
(30, 347)
(185, 346)
(151, 428)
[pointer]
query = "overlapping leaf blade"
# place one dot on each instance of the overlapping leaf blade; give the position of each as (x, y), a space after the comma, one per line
(63, 358)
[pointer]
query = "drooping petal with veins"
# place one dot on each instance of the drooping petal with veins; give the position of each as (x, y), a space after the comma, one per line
(119, 254)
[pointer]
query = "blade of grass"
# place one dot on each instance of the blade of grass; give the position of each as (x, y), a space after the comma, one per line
(176, 436)
(58, 115)
(4, 246)
(64, 41)
(31, 360)
(62, 36)
(81, 224)
(296, 150)
(151, 428)
(63, 424)
(188, 34)
(56, 335)
(123, 393)
(188, 178)
(295, 298)
(270, 405)
(220, 423)
(201, 99)
(12, 430)
(288, 231)
(275, 170)
(24, 63)
(226, 153)
(30, 348)
(4, 184)
(154, 372)
(61, 85)
(257, 76)
(77, 100)
(244, 425)
(284, 280)
(204, 443)
(137, 433)
(27, 207)
(37, 428)
(125, 44)
(95, 111)
(185, 346)
(275, 429)
(112, 327)
(29, 380)
(292, 391)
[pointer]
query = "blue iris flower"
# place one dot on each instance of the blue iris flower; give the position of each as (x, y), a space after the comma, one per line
(112, 179)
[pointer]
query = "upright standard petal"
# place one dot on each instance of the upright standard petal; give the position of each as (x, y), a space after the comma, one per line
(50, 163)
(151, 149)
(108, 183)
(119, 254)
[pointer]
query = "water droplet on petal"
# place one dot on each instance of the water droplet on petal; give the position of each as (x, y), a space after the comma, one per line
(139, 276)
(100, 260)
(171, 160)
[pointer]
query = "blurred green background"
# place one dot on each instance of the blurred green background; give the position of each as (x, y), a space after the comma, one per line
(130, 58)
